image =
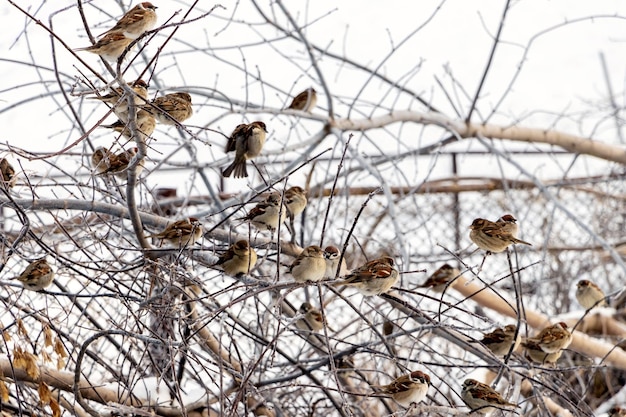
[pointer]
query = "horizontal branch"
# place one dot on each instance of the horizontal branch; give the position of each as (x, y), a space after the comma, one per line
(572, 143)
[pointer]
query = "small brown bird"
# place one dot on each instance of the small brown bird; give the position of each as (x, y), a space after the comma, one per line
(171, 108)
(536, 354)
(501, 339)
(508, 224)
(309, 265)
(491, 237)
(37, 276)
(118, 100)
(239, 259)
(312, 318)
(8, 173)
(332, 255)
(268, 214)
(105, 162)
(617, 412)
(295, 201)
(110, 47)
(407, 389)
(440, 278)
(181, 233)
(553, 338)
(145, 126)
(247, 142)
(483, 399)
(374, 278)
(136, 21)
(304, 101)
(589, 295)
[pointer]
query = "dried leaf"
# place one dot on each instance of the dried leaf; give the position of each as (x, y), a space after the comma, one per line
(21, 329)
(18, 358)
(60, 363)
(6, 336)
(54, 406)
(47, 335)
(45, 356)
(44, 393)
(4, 392)
(32, 370)
(59, 349)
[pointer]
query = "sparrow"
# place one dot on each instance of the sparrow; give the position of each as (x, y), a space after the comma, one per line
(536, 354)
(145, 125)
(553, 338)
(136, 21)
(440, 278)
(295, 201)
(309, 265)
(119, 102)
(239, 259)
(508, 224)
(312, 318)
(617, 412)
(374, 278)
(37, 276)
(304, 101)
(483, 399)
(267, 214)
(491, 237)
(181, 233)
(110, 47)
(589, 295)
(407, 389)
(500, 340)
(331, 255)
(246, 141)
(171, 108)
(105, 162)
(7, 172)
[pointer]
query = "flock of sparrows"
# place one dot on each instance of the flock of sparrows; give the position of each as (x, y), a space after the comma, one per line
(246, 140)
(313, 264)
(375, 277)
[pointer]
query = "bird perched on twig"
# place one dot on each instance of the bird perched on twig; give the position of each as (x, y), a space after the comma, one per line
(239, 259)
(483, 399)
(145, 126)
(7, 173)
(181, 233)
(247, 142)
(110, 47)
(508, 224)
(136, 21)
(374, 278)
(119, 102)
(332, 255)
(407, 389)
(440, 278)
(309, 265)
(589, 295)
(553, 338)
(312, 318)
(106, 162)
(295, 203)
(501, 339)
(171, 108)
(267, 214)
(536, 354)
(304, 101)
(37, 276)
(491, 236)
